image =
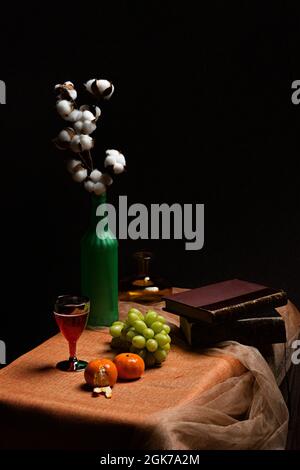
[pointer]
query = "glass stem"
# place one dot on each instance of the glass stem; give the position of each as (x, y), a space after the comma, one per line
(72, 351)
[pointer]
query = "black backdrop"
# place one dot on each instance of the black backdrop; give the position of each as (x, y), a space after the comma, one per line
(203, 113)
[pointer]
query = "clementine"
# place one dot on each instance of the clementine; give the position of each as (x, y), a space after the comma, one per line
(130, 366)
(101, 373)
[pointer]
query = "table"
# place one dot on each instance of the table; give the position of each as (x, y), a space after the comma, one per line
(43, 408)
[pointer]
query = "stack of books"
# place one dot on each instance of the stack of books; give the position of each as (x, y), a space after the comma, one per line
(231, 310)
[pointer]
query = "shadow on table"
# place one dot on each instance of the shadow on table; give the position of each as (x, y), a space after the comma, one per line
(39, 370)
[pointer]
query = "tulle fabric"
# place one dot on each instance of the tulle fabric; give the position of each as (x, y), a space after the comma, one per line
(245, 412)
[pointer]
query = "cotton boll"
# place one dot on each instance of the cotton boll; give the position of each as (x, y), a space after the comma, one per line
(88, 85)
(100, 88)
(75, 144)
(102, 85)
(80, 175)
(72, 94)
(87, 116)
(114, 157)
(66, 135)
(81, 142)
(86, 142)
(84, 127)
(121, 159)
(73, 164)
(99, 188)
(63, 136)
(64, 108)
(109, 161)
(105, 88)
(96, 176)
(109, 94)
(88, 127)
(74, 116)
(89, 186)
(112, 152)
(116, 160)
(118, 168)
(97, 112)
(66, 94)
(106, 179)
(60, 145)
(66, 91)
(62, 141)
(78, 125)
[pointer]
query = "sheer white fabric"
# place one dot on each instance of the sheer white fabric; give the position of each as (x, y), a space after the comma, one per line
(246, 412)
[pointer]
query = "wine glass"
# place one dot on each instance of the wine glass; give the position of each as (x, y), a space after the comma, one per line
(71, 314)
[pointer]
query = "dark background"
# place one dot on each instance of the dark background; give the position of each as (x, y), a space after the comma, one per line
(202, 110)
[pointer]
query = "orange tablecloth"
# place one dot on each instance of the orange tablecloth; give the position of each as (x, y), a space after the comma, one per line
(41, 407)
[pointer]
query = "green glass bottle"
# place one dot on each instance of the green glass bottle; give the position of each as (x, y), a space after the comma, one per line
(99, 270)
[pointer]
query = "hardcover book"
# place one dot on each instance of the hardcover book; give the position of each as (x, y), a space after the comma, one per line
(225, 301)
(248, 331)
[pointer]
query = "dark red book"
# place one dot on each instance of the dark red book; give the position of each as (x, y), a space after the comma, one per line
(226, 301)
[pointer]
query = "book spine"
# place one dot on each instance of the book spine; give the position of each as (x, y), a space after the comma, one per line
(248, 331)
(251, 307)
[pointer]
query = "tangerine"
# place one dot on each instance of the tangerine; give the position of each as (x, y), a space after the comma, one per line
(101, 373)
(130, 366)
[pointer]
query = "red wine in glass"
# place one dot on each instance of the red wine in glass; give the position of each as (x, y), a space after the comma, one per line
(71, 314)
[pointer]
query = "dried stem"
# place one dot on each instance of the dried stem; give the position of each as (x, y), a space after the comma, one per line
(91, 159)
(83, 160)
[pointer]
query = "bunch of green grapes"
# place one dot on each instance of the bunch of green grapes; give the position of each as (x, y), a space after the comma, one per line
(146, 335)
